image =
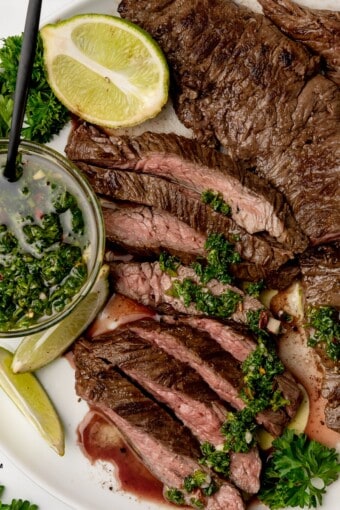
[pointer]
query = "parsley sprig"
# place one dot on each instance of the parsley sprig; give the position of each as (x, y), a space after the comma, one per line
(45, 115)
(16, 504)
(298, 472)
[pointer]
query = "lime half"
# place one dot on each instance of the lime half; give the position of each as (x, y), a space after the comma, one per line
(105, 69)
(37, 350)
(30, 397)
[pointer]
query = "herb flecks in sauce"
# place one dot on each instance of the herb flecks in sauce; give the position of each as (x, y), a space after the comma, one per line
(42, 243)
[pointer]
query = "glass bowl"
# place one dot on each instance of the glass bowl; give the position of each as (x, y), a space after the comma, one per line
(44, 167)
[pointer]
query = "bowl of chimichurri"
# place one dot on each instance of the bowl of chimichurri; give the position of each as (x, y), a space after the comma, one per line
(51, 240)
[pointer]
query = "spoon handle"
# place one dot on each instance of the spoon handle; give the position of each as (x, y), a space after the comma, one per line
(22, 84)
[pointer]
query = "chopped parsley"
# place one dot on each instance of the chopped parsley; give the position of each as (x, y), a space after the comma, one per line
(169, 264)
(16, 504)
(45, 115)
(298, 472)
(223, 305)
(238, 430)
(325, 322)
(254, 288)
(175, 496)
(220, 254)
(218, 460)
(215, 200)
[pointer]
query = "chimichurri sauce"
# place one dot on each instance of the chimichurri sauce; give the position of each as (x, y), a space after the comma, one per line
(43, 242)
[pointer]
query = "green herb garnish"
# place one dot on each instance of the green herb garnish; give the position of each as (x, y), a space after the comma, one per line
(325, 321)
(254, 288)
(216, 202)
(45, 115)
(218, 460)
(220, 254)
(16, 504)
(298, 472)
(175, 496)
(204, 301)
(169, 264)
(238, 430)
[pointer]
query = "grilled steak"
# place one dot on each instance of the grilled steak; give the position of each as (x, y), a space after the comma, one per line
(255, 206)
(180, 388)
(149, 231)
(216, 366)
(232, 336)
(146, 283)
(167, 448)
(239, 81)
(261, 258)
(317, 29)
(320, 268)
(145, 230)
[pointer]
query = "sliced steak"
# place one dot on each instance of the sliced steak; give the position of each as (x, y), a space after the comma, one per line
(149, 231)
(166, 448)
(182, 389)
(320, 268)
(234, 337)
(264, 257)
(317, 29)
(239, 81)
(216, 366)
(255, 206)
(146, 283)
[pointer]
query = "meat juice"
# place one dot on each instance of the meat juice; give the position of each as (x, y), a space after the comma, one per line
(100, 440)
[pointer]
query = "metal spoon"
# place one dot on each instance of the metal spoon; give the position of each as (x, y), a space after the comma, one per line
(22, 86)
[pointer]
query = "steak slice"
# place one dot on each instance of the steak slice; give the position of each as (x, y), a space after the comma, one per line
(320, 268)
(240, 81)
(216, 366)
(149, 231)
(255, 206)
(234, 337)
(182, 389)
(166, 447)
(264, 257)
(317, 29)
(146, 283)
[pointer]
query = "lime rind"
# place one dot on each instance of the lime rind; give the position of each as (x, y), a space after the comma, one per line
(29, 396)
(105, 69)
(36, 351)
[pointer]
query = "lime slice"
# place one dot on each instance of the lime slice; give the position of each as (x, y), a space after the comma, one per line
(106, 70)
(37, 350)
(30, 397)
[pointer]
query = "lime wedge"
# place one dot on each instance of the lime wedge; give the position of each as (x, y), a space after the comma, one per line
(106, 70)
(30, 397)
(37, 350)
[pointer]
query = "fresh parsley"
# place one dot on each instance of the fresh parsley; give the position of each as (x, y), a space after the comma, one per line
(298, 472)
(220, 254)
(169, 263)
(190, 292)
(45, 115)
(216, 202)
(325, 322)
(16, 504)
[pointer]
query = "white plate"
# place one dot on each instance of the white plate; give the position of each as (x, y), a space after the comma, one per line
(72, 478)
